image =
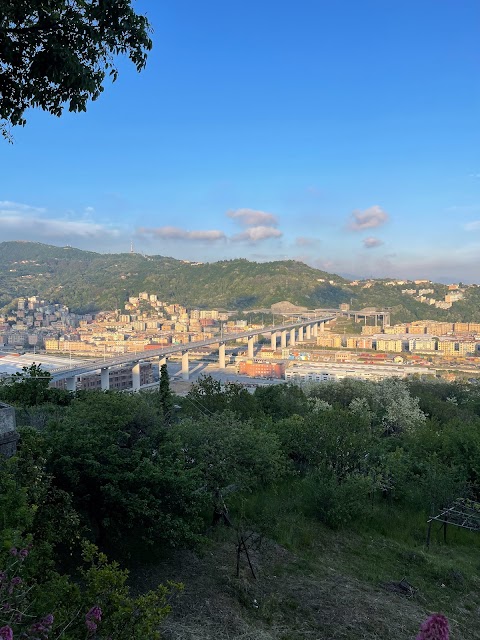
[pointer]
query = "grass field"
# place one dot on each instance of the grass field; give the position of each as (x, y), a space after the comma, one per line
(312, 582)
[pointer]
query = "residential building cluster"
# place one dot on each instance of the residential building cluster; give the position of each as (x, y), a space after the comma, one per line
(34, 320)
(455, 293)
(145, 323)
(148, 322)
(428, 337)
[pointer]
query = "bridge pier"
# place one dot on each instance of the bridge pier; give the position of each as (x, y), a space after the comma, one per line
(251, 342)
(185, 374)
(136, 377)
(315, 329)
(308, 331)
(161, 361)
(283, 339)
(292, 338)
(300, 334)
(221, 355)
(273, 340)
(71, 384)
(104, 379)
(321, 326)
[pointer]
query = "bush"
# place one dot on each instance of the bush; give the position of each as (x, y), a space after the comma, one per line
(336, 503)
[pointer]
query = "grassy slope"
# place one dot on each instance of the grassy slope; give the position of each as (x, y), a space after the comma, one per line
(316, 583)
(332, 589)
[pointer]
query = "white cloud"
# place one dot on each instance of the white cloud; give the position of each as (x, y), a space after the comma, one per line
(253, 218)
(371, 242)
(256, 234)
(18, 220)
(472, 226)
(9, 208)
(175, 233)
(368, 218)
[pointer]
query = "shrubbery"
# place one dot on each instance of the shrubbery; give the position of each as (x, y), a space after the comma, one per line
(115, 469)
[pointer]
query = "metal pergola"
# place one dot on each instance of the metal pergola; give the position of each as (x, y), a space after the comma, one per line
(463, 513)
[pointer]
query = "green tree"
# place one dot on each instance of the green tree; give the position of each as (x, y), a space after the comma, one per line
(57, 52)
(108, 453)
(30, 387)
(16, 514)
(207, 396)
(166, 396)
(227, 454)
(281, 400)
(335, 439)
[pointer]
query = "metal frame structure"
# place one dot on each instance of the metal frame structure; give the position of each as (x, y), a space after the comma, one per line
(462, 513)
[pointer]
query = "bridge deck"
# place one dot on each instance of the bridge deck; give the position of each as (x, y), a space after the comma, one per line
(61, 373)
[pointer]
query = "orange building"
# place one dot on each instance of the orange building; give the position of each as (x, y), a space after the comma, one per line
(262, 369)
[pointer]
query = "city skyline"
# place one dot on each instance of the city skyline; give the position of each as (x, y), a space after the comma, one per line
(343, 136)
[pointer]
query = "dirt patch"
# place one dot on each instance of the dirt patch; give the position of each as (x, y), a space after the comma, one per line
(289, 600)
(180, 387)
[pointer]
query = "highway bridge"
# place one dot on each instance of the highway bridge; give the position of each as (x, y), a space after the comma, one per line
(289, 333)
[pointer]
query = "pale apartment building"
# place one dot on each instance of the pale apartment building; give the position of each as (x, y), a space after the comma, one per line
(396, 329)
(370, 330)
(447, 346)
(426, 344)
(389, 344)
(332, 340)
(467, 347)
(359, 342)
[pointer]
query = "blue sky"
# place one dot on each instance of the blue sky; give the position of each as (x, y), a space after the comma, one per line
(342, 133)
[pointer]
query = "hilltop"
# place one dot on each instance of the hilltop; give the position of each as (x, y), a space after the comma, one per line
(89, 281)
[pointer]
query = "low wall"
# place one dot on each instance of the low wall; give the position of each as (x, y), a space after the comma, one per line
(8, 433)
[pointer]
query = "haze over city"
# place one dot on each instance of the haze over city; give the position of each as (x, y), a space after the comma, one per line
(344, 135)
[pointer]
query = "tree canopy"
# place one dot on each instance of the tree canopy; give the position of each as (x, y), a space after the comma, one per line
(57, 52)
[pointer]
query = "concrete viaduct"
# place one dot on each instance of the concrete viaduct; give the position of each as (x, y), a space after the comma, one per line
(289, 333)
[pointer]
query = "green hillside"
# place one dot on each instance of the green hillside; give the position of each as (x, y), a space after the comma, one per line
(88, 281)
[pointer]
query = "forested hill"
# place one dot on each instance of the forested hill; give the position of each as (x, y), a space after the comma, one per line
(88, 281)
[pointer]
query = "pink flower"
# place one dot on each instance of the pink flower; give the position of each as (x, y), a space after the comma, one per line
(434, 628)
(13, 551)
(95, 613)
(14, 582)
(6, 633)
(91, 626)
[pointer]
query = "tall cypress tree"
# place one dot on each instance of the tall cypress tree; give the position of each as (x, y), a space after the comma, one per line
(166, 396)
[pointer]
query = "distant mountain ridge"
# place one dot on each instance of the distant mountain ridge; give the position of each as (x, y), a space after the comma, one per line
(89, 281)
